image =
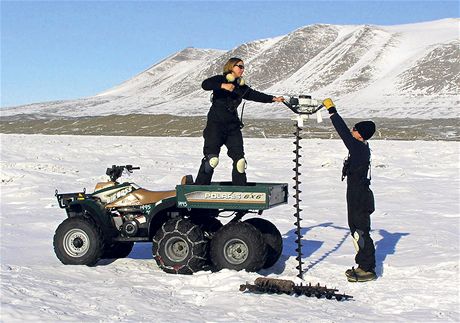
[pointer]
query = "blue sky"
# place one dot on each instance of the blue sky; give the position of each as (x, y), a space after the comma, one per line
(70, 49)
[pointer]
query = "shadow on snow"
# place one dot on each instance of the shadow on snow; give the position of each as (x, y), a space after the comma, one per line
(384, 247)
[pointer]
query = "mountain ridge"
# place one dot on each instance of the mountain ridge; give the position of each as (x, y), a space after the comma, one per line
(410, 70)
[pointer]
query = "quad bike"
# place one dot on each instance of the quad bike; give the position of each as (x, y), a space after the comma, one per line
(182, 224)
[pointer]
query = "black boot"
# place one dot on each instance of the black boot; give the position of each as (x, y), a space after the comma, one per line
(238, 178)
(204, 174)
(360, 275)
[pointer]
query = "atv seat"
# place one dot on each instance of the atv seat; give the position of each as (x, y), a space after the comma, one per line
(150, 197)
(142, 197)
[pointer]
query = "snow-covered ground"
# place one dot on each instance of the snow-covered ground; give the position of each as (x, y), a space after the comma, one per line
(415, 229)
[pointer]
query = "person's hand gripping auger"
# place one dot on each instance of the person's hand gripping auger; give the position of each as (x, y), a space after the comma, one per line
(329, 105)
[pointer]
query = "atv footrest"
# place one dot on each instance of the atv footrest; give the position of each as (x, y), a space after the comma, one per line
(127, 239)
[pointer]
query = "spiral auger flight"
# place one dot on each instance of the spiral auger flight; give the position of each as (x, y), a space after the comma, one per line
(283, 286)
(297, 191)
(303, 106)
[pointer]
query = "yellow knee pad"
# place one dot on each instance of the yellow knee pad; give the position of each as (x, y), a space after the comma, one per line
(210, 162)
(241, 165)
(214, 161)
(358, 240)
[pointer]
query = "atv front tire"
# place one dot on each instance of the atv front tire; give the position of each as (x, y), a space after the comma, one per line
(78, 241)
(179, 247)
(272, 238)
(238, 246)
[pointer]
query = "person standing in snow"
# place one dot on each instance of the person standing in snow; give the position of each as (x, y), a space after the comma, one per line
(223, 126)
(360, 199)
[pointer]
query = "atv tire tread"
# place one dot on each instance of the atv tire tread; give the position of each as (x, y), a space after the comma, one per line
(272, 238)
(240, 233)
(94, 234)
(185, 231)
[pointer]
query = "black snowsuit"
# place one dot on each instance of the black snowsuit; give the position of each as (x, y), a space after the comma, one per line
(360, 199)
(223, 126)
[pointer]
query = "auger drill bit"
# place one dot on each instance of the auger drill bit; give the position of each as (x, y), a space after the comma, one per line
(283, 286)
(296, 187)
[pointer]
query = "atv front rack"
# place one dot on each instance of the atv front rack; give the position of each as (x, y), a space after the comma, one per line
(282, 286)
(65, 199)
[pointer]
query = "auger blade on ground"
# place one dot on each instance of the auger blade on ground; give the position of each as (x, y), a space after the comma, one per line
(283, 286)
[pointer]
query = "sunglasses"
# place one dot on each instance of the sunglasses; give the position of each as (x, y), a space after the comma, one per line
(240, 66)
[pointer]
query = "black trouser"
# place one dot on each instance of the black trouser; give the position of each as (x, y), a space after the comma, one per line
(360, 204)
(215, 136)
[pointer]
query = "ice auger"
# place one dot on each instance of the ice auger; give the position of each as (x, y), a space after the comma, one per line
(304, 106)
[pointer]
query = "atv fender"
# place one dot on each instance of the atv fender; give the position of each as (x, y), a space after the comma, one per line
(158, 215)
(93, 210)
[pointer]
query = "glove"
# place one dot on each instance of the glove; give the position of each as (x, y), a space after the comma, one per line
(330, 106)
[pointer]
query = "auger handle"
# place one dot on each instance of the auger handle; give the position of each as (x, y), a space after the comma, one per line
(295, 105)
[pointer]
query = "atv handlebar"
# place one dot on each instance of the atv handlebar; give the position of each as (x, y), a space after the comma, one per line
(115, 171)
(303, 104)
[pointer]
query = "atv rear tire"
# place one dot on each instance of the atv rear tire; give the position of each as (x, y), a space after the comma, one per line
(179, 247)
(272, 238)
(78, 241)
(238, 246)
(208, 224)
(117, 250)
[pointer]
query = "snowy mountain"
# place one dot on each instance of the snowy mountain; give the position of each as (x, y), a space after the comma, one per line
(383, 71)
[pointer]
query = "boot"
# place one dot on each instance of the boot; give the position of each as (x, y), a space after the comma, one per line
(204, 175)
(360, 275)
(239, 179)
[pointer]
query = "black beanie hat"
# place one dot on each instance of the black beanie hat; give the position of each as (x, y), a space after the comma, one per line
(366, 129)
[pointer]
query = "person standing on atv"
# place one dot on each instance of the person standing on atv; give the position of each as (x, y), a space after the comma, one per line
(360, 199)
(223, 127)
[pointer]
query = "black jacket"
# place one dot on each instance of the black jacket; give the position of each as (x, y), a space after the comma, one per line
(225, 103)
(359, 153)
